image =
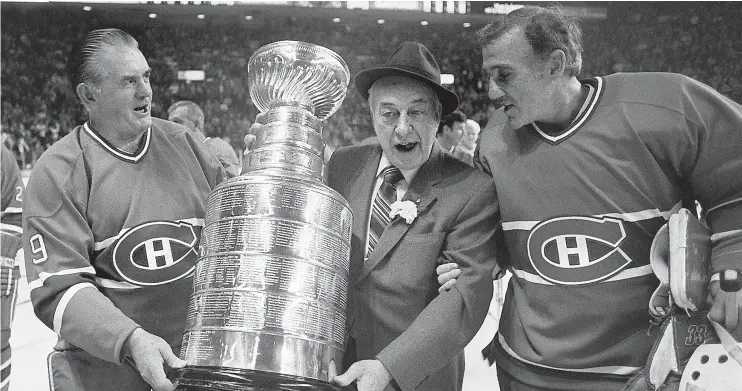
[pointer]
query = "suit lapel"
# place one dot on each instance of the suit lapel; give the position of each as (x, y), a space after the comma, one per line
(421, 193)
(360, 184)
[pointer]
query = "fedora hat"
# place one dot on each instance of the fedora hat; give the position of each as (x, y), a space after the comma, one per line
(411, 59)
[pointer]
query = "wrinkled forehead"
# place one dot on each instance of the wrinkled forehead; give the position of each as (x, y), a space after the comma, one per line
(507, 50)
(121, 60)
(399, 89)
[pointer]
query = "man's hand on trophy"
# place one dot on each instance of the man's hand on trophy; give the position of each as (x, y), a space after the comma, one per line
(369, 375)
(250, 136)
(149, 352)
(726, 302)
(447, 275)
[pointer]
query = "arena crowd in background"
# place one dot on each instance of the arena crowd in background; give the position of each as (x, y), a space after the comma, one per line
(38, 105)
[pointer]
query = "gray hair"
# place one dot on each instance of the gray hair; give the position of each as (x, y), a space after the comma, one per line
(81, 64)
(547, 29)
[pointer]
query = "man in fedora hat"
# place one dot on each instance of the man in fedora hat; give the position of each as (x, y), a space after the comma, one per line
(414, 207)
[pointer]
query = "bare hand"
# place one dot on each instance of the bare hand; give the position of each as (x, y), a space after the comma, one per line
(149, 353)
(369, 375)
(726, 308)
(447, 275)
(250, 136)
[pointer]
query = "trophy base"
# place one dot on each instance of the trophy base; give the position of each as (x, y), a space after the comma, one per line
(232, 379)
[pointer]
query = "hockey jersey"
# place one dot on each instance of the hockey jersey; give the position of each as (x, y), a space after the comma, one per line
(580, 210)
(110, 237)
(12, 194)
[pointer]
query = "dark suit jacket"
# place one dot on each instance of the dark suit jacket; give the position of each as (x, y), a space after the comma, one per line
(395, 313)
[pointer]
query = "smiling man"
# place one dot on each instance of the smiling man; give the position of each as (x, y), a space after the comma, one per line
(587, 171)
(403, 335)
(112, 214)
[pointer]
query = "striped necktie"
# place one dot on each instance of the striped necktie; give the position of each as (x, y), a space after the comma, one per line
(386, 195)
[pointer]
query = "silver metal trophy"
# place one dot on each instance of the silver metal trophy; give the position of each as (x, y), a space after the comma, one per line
(268, 305)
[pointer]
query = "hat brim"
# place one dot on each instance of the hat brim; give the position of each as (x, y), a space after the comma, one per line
(366, 78)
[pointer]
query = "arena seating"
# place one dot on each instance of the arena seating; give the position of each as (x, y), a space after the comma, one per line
(39, 106)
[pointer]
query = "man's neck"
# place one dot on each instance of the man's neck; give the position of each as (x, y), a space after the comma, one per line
(125, 142)
(569, 100)
(445, 143)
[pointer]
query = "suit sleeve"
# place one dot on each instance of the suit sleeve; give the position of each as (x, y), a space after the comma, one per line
(58, 244)
(711, 161)
(452, 319)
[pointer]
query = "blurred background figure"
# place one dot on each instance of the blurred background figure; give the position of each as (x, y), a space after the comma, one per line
(464, 151)
(450, 131)
(190, 115)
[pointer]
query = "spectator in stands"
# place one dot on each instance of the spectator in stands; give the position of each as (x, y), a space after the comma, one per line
(567, 153)
(450, 131)
(468, 143)
(191, 116)
(112, 216)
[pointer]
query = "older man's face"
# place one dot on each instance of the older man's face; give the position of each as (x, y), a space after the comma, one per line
(405, 117)
(124, 98)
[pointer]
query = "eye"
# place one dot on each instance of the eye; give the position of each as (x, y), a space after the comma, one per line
(504, 77)
(389, 114)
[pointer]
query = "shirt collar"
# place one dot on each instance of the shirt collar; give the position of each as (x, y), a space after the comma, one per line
(408, 175)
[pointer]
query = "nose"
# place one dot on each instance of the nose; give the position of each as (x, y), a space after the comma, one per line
(494, 91)
(144, 89)
(403, 125)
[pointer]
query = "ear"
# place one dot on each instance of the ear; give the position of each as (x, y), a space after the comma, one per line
(557, 63)
(86, 94)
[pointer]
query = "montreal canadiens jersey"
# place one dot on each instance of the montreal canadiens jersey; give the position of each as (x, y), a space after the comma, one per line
(580, 210)
(12, 194)
(110, 237)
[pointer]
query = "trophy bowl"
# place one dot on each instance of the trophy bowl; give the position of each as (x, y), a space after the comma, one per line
(268, 306)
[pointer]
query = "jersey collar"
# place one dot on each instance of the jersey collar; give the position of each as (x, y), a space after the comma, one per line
(134, 157)
(596, 89)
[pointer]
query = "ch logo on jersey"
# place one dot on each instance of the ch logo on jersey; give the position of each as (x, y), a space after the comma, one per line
(156, 252)
(577, 250)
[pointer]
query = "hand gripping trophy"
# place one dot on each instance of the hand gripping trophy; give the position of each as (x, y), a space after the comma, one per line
(267, 310)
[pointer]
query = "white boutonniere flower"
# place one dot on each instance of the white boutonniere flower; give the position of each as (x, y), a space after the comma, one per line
(404, 209)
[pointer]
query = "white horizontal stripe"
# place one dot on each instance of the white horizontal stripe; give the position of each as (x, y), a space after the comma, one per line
(634, 272)
(5, 381)
(13, 209)
(723, 204)
(106, 283)
(614, 369)
(37, 283)
(5, 364)
(725, 235)
(62, 305)
(103, 244)
(11, 227)
(648, 214)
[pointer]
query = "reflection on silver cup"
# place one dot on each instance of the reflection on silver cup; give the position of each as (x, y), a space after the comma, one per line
(269, 300)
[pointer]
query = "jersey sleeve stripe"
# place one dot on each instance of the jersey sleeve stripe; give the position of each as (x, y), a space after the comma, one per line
(725, 235)
(12, 209)
(11, 227)
(43, 276)
(628, 217)
(62, 305)
(613, 369)
(105, 243)
(633, 272)
(106, 283)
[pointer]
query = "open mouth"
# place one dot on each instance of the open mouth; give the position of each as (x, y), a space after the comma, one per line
(405, 147)
(144, 109)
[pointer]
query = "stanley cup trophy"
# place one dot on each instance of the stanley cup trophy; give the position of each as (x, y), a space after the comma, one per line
(268, 305)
